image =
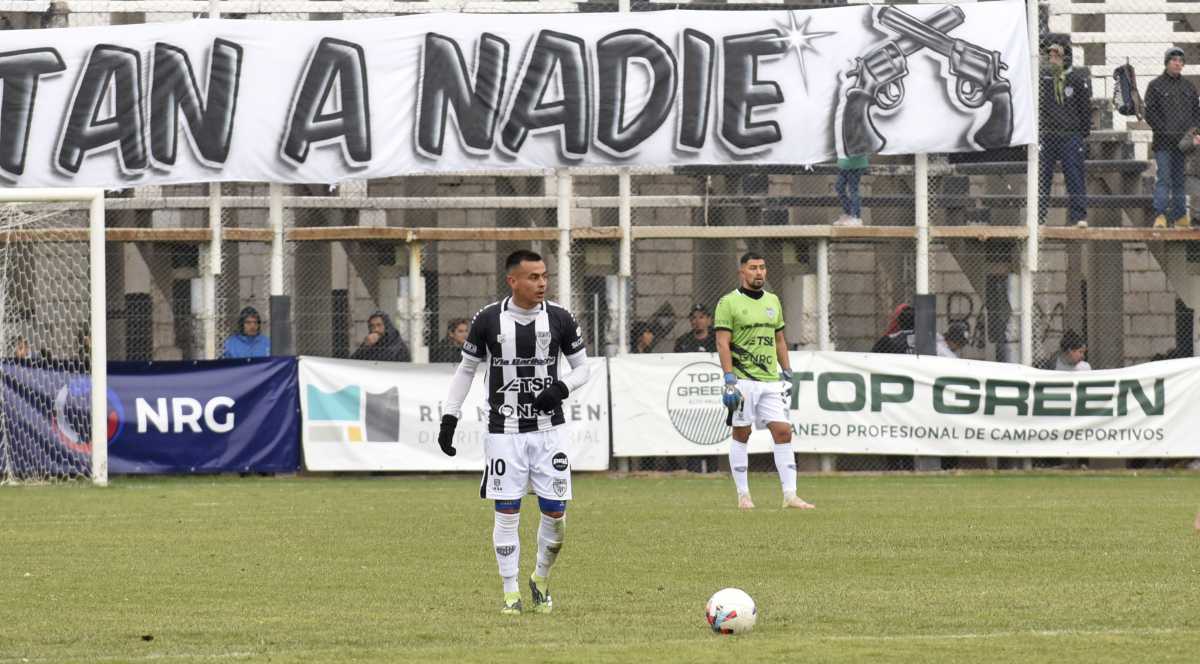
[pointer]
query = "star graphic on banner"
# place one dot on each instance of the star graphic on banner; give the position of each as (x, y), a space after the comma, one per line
(800, 39)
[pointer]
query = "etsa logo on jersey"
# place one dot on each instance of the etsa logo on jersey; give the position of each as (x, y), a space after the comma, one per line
(527, 385)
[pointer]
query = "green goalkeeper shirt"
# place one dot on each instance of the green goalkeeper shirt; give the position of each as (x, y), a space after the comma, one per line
(752, 322)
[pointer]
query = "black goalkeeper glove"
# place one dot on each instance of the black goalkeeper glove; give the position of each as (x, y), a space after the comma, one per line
(446, 435)
(551, 397)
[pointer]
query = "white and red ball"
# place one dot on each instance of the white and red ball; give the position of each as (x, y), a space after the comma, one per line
(731, 611)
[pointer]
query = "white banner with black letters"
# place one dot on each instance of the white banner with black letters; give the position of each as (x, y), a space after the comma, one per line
(385, 416)
(222, 100)
(854, 403)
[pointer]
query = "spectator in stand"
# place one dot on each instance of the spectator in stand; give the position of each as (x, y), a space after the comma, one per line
(1172, 109)
(247, 339)
(83, 346)
(1066, 120)
(897, 339)
(449, 349)
(383, 342)
(1071, 351)
(642, 337)
(21, 349)
(850, 172)
(1171, 354)
(952, 343)
(701, 338)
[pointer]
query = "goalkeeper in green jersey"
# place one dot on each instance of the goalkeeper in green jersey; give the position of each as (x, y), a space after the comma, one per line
(758, 377)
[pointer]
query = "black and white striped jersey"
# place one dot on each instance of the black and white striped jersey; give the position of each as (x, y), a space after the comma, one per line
(522, 350)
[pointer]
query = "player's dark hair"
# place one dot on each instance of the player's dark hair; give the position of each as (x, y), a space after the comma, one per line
(751, 256)
(455, 322)
(520, 256)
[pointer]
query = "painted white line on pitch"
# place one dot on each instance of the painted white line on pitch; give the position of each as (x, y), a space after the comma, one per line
(1148, 631)
(139, 658)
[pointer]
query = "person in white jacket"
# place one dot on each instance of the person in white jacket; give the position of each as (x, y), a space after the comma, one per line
(1071, 351)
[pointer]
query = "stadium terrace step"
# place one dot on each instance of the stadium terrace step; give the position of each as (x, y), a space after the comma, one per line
(1091, 166)
(1126, 166)
(1107, 201)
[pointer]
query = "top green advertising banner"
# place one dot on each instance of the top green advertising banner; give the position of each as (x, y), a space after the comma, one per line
(852, 403)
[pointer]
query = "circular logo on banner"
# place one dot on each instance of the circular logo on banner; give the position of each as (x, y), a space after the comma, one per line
(71, 422)
(694, 403)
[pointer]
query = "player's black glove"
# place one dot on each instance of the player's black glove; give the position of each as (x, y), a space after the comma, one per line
(551, 397)
(446, 435)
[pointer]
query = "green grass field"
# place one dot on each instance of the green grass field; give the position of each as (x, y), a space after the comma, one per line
(997, 568)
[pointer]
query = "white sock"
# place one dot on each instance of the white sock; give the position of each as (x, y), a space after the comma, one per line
(739, 462)
(550, 540)
(785, 463)
(507, 540)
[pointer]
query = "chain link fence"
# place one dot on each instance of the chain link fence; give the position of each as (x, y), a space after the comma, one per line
(428, 251)
(155, 307)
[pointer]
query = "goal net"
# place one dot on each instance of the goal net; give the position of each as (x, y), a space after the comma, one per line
(53, 383)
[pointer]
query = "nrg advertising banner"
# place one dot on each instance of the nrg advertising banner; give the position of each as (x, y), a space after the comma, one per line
(163, 417)
(385, 416)
(323, 101)
(859, 403)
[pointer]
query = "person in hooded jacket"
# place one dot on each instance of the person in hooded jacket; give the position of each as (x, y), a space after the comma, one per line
(1065, 107)
(383, 342)
(248, 340)
(1172, 109)
(897, 339)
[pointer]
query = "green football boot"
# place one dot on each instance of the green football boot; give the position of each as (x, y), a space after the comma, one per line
(512, 604)
(539, 587)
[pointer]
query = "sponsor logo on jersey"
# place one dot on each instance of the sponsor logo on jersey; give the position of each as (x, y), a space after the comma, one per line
(526, 385)
(525, 410)
(500, 338)
(523, 361)
(559, 461)
(470, 347)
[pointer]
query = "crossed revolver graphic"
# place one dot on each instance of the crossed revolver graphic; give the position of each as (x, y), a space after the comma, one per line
(879, 80)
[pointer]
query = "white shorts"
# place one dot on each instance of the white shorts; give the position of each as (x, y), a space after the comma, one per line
(762, 403)
(515, 460)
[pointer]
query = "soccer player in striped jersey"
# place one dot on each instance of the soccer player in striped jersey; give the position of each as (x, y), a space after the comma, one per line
(521, 340)
(758, 377)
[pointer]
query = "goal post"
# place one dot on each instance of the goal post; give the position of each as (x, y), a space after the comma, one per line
(26, 223)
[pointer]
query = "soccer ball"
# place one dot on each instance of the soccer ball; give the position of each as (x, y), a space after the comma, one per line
(731, 611)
